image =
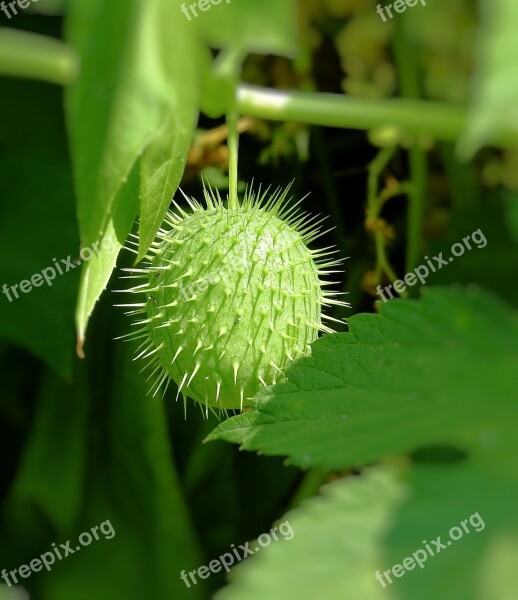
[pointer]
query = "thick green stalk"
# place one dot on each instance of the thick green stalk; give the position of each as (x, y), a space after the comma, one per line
(443, 121)
(34, 56)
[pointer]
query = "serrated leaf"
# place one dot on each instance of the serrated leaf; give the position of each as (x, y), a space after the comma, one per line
(399, 380)
(442, 497)
(335, 549)
(367, 524)
(493, 110)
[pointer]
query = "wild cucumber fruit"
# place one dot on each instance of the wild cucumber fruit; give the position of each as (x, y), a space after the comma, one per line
(231, 296)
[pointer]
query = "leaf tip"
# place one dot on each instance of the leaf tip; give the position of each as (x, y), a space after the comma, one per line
(79, 348)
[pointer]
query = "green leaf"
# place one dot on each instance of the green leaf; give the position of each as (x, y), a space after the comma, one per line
(442, 497)
(132, 482)
(219, 81)
(54, 461)
(96, 272)
(36, 225)
(495, 87)
(135, 99)
(399, 380)
(239, 28)
(268, 27)
(95, 276)
(162, 170)
(336, 546)
(369, 523)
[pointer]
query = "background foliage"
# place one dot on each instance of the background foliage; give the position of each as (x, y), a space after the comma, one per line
(395, 429)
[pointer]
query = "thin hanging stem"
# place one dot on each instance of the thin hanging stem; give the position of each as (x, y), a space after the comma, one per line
(376, 168)
(375, 203)
(410, 88)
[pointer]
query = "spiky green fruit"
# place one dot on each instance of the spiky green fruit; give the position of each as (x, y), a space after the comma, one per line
(231, 296)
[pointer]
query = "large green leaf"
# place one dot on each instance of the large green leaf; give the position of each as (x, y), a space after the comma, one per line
(335, 549)
(135, 99)
(399, 380)
(51, 461)
(495, 85)
(366, 524)
(36, 225)
(132, 482)
(442, 496)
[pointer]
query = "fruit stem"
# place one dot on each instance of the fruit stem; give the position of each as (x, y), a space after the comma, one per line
(34, 56)
(233, 150)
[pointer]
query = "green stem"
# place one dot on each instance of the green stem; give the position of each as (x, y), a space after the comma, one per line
(313, 480)
(409, 85)
(375, 202)
(418, 174)
(233, 151)
(383, 263)
(444, 121)
(376, 168)
(34, 56)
